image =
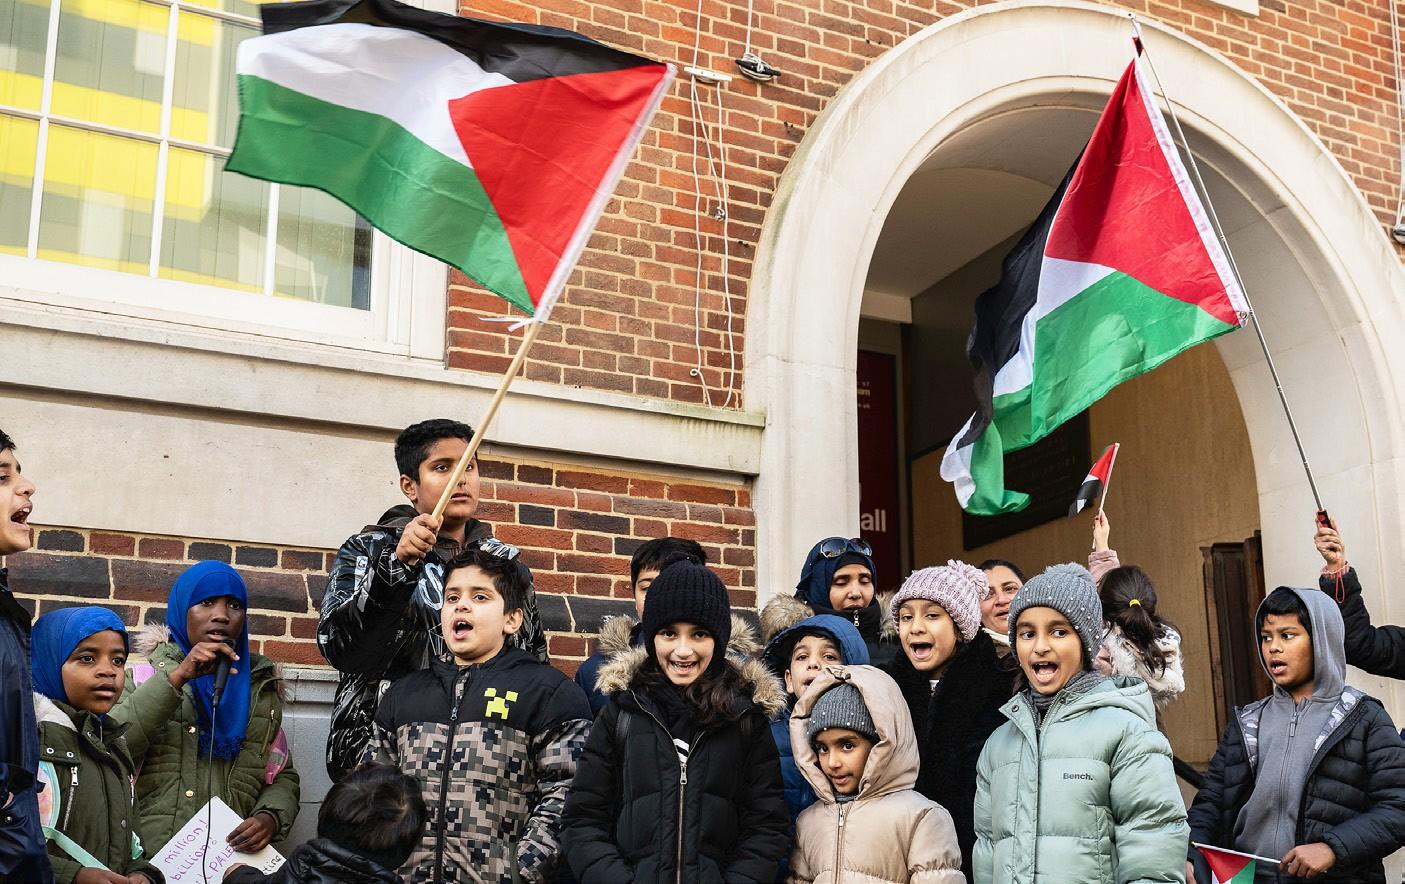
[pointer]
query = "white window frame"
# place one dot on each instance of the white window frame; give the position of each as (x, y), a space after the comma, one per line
(408, 290)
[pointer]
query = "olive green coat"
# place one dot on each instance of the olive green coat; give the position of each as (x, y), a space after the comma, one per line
(164, 739)
(88, 790)
(1088, 797)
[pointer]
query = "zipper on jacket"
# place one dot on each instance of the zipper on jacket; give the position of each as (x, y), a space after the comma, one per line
(839, 845)
(460, 685)
(682, 785)
(72, 794)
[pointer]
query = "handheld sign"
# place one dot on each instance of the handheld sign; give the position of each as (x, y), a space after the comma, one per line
(182, 858)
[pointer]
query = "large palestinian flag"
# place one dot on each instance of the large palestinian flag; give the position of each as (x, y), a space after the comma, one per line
(492, 147)
(1120, 272)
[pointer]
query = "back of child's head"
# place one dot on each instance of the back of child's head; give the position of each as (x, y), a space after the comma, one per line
(500, 561)
(1129, 603)
(376, 812)
(1282, 602)
(413, 444)
(659, 553)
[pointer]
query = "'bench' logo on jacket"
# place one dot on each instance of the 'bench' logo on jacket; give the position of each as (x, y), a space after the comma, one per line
(1078, 776)
(498, 705)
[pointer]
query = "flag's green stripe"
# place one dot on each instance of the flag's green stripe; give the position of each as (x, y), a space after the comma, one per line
(412, 192)
(1110, 332)
(1244, 875)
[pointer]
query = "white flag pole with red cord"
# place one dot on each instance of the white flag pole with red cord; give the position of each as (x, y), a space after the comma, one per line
(1234, 266)
(1112, 464)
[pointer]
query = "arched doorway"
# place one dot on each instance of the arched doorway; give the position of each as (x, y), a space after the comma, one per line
(1328, 286)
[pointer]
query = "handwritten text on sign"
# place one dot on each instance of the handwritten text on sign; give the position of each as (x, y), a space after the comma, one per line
(182, 858)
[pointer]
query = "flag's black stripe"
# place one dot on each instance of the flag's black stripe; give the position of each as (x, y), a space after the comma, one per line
(519, 52)
(1001, 309)
(1087, 493)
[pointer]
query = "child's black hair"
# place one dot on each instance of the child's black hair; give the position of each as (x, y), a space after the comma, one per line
(998, 563)
(1139, 623)
(413, 444)
(6, 443)
(713, 695)
(1280, 602)
(511, 578)
(376, 812)
(659, 553)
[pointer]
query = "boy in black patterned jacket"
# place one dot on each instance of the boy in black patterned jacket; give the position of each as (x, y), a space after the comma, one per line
(492, 737)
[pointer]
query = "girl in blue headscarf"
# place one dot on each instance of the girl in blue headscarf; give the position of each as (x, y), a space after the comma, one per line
(839, 578)
(180, 733)
(86, 805)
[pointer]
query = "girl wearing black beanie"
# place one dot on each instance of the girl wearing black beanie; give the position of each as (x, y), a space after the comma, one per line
(696, 795)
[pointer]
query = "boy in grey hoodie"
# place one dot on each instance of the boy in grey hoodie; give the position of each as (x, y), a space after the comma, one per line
(1315, 772)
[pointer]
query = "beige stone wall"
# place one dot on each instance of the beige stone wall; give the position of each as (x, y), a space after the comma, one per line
(1184, 479)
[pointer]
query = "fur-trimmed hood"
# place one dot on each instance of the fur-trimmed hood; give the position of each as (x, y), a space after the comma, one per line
(618, 672)
(783, 612)
(618, 634)
(145, 639)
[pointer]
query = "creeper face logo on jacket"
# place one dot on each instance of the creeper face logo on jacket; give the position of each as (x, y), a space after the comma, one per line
(498, 705)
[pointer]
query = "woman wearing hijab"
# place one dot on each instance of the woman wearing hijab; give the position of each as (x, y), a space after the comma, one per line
(182, 740)
(87, 803)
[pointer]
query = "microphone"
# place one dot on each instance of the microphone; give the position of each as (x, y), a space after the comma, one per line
(221, 674)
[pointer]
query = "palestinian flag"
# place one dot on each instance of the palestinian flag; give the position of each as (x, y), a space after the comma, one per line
(1120, 272)
(492, 147)
(1096, 481)
(1228, 866)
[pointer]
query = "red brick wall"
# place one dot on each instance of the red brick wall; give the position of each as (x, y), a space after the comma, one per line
(577, 528)
(626, 322)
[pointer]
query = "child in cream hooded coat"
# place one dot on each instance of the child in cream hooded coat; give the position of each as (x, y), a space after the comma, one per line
(888, 832)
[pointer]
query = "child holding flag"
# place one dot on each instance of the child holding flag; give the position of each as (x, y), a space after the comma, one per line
(1314, 773)
(1077, 785)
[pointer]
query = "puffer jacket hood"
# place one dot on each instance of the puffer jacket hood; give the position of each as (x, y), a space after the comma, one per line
(892, 763)
(875, 623)
(888, 833)
(841, 631)
(1328, 643)
(765, 690)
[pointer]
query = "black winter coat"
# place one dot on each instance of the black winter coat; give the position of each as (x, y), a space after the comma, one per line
(636, 813)
(380, 621)
(1353, 798)
(952, 725)
(23, 856)
(1380, 650)
(319, 861)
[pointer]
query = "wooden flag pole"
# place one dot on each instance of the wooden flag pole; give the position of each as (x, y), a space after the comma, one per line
(1111, 465)
(482, 430)
(1233, 266)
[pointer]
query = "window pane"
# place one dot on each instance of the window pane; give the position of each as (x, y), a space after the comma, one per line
(98, 195)
(111, 59)
(240, 7)
(205, 97)
(17, 143)
(24, 27)
(214, 224)
(324, 250)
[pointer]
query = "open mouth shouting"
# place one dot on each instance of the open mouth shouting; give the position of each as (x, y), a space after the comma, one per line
(20, 518)
(1278, 669)
(1044, 672)
(460, 629)
(921, 652)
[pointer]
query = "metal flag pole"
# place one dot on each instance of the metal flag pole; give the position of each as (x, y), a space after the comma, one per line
(1233, 265)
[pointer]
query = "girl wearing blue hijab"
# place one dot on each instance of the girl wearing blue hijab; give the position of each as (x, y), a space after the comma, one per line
(86, 766)
(183, 736)
(839, 578)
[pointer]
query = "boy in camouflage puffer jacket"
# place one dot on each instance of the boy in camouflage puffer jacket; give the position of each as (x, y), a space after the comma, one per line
(493, 737)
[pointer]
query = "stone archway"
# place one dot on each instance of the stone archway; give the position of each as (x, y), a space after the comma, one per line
(1336, 323)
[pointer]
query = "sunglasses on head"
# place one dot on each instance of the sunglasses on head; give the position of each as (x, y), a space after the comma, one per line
(494, 547)
(834, 547)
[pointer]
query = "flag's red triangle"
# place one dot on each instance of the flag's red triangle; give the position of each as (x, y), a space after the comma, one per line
(1103, 466)
(541, 150)
(1124, 210)
(1224, 866)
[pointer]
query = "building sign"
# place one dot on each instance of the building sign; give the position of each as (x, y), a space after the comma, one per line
(878, 464)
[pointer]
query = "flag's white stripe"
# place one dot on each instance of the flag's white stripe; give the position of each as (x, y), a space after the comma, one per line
(956, 465)
(399, 74)
(1192, 199)
(1059, 282)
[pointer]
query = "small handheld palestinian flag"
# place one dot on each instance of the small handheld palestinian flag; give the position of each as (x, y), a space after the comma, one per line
(1231, 866)
(1099, 477)
(490, 146)
(1121, 271)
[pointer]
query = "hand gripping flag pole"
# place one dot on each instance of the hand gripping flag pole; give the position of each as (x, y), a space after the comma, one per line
(1234, 266)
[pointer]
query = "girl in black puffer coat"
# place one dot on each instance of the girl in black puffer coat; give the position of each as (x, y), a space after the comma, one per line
(680, 779)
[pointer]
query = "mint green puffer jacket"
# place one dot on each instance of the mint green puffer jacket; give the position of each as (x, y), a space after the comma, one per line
(1089, 797)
